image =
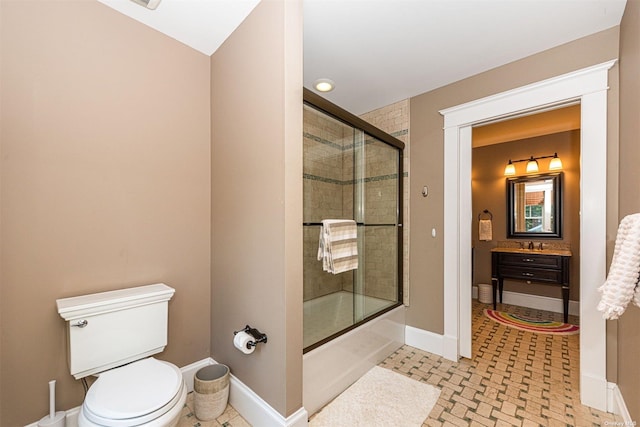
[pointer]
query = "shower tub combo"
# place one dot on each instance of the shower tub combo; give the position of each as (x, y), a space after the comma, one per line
(354, 319)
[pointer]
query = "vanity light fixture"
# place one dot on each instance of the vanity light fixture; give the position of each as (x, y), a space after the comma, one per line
(532, 164)
(555, 163)
(510, 169)
(324, 85)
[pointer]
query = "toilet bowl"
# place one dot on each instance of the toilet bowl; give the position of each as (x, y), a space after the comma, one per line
(148, 392)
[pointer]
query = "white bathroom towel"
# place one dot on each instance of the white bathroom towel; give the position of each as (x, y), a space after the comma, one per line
(338, 245)
(485, 230)
(621, 284)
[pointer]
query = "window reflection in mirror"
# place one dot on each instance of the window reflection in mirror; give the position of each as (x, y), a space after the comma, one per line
(534, 206)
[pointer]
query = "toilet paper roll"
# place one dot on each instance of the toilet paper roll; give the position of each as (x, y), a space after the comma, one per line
(241, 342)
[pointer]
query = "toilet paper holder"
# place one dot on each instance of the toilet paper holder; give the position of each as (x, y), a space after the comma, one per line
(258, 336)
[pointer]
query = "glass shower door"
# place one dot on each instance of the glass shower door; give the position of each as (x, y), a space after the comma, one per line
(348, 174)
(328, 187)
(376, 203)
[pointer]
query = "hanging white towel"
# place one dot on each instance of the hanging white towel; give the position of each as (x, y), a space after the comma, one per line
(338, 245)
(622, 280)
(485, 230)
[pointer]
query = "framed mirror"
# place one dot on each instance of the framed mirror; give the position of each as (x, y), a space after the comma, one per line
(534, 206)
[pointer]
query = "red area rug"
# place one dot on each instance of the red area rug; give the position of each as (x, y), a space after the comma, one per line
(532, 325)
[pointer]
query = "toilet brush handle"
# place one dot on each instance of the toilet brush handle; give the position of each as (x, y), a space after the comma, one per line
(52, 399)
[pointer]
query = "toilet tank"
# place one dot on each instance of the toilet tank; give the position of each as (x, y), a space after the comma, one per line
(110, 329)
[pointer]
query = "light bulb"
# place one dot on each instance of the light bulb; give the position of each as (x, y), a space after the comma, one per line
(532, 165)
(555, 163)
(510, 169)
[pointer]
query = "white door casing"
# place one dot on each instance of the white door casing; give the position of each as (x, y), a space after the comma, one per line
(589, 87)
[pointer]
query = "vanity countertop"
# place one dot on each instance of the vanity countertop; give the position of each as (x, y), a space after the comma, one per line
(549, 251)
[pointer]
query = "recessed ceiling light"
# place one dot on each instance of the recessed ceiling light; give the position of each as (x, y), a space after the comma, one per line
(324, 85)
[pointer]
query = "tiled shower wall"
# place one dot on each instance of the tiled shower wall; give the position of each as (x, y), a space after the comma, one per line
(325, 196)
(328, 193)
(394, 120)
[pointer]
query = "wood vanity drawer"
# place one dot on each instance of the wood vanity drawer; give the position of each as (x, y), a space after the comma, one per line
(533, 260)
(531, 274)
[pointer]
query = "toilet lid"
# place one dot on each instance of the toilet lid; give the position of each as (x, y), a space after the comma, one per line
(134, 390)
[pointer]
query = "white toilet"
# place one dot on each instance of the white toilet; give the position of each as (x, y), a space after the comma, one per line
(112, 335)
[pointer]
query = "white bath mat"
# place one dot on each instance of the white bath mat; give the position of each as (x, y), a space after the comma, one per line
(380, 398)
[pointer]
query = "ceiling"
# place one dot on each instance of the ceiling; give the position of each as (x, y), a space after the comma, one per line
(382, 51)
(528, 126)
(202, 24)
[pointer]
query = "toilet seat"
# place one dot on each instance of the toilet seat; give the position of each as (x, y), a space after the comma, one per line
(135, 394)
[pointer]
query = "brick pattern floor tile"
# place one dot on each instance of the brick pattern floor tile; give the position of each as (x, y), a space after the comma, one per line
(515, 378)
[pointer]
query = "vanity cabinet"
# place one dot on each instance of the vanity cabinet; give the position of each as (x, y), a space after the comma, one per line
(545, 267)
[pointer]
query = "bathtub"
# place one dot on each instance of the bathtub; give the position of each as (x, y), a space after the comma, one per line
(329, 369)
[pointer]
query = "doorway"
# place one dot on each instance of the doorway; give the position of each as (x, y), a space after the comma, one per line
(549, 216)
(589, 87)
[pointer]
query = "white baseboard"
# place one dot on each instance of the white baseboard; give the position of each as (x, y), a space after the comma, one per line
(539, 302)
(617, 405)
(258, 412)
(249, 405)
(244, 400)
(441, 345)
(424, 340)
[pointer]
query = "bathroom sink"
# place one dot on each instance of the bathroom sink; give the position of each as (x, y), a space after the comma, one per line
(546, 251)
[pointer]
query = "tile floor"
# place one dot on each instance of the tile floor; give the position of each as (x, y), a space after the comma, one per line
(515, 378)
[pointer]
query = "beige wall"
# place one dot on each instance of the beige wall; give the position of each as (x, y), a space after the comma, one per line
(426, 267)
(628, 331)
(488, 185)
(256, 175)
(105, 144)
